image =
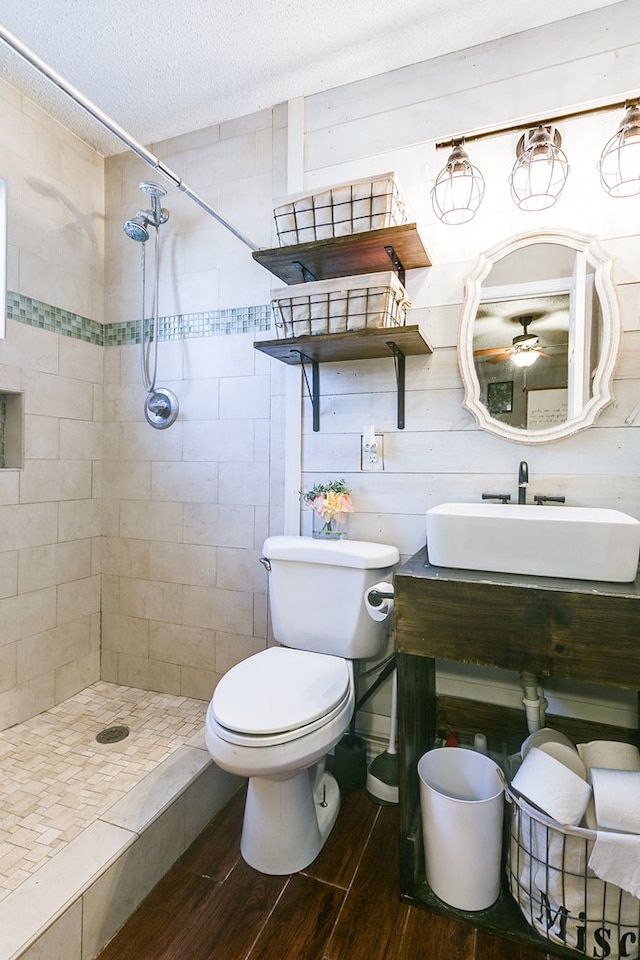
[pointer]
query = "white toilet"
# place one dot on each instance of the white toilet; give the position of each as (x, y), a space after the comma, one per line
(274, 717)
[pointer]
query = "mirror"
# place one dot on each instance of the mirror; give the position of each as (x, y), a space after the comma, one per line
(539, 336)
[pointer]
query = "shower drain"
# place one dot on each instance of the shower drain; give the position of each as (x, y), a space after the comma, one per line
(113, 734)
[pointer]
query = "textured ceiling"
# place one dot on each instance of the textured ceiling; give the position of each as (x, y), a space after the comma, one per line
(161, 68)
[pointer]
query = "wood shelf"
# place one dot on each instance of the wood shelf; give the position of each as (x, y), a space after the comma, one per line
(358, 253)
(371, 344)
(392, 248)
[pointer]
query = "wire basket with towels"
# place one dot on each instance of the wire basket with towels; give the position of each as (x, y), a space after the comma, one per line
(371, 203)
(558, 893)
(340, 305)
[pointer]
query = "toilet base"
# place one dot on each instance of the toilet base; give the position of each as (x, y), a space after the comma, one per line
(286, 822)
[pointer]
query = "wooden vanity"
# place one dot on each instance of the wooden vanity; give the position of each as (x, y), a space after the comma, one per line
(573, 629)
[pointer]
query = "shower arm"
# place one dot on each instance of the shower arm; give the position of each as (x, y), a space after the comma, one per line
(141, 151)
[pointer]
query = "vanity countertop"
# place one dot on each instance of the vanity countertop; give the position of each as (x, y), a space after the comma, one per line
(418, 567)
(553, 627)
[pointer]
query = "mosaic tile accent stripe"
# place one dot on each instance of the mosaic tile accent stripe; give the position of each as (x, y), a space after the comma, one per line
(210, 323)
(35, 313)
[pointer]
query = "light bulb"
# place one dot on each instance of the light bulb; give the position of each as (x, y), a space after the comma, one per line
(540, 171)
(526, 358)
(619, 165)
(458, 190)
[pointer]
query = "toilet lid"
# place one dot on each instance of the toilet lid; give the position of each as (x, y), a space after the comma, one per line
(279, 689)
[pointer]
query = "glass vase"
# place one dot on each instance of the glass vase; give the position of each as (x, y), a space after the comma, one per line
(331, 529)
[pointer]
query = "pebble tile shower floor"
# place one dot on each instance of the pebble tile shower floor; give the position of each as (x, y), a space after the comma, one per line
(57, 779)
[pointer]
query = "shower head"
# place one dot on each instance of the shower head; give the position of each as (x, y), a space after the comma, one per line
(157, 215)
(136, 229)
(153, 189)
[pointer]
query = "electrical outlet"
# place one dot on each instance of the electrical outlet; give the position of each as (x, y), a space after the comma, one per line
(372, 455)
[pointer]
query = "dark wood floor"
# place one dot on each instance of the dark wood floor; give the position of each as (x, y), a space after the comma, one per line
(345, 906)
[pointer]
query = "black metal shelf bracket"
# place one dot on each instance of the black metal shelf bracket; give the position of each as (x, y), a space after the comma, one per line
(314, 389)
(307, 276)
(397, 265)
(399, 360)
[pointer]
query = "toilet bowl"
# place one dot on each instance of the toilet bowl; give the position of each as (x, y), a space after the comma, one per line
(273, 719)
(274, 716)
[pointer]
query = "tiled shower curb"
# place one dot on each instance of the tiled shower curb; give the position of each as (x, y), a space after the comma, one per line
(73, 905)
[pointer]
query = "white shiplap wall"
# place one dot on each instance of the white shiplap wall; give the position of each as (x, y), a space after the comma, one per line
(392, 122)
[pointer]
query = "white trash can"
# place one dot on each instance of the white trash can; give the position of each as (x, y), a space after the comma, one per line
(462, 801)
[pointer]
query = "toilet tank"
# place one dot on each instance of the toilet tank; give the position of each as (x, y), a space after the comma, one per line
(316, 593)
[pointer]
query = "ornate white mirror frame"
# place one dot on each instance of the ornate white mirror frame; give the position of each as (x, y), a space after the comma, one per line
(600, 379)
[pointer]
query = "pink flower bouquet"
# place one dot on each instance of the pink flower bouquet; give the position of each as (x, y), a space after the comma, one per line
(331, 503)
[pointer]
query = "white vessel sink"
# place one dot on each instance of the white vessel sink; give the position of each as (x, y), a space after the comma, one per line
(580, 543)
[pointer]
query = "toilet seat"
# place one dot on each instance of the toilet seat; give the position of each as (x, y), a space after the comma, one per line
(278, 695)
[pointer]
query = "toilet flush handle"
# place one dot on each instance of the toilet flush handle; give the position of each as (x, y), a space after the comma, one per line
(266, 563)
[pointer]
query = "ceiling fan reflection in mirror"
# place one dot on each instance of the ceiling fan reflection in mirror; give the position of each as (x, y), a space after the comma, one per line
(524, 350)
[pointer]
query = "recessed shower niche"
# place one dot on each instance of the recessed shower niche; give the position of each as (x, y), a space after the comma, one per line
(10, 430)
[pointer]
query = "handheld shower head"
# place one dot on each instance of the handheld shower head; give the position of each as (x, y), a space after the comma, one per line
(136, 229)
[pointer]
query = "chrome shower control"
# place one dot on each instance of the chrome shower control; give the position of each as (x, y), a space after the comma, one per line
(161, 408)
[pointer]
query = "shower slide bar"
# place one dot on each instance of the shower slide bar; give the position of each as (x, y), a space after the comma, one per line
(43, 68)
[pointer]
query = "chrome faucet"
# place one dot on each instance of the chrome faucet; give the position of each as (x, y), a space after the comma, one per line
(523, 481)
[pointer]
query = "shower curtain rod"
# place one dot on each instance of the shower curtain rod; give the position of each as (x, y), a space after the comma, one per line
(23, 51)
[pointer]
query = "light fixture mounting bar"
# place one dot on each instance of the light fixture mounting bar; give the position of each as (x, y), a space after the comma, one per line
(528, 124)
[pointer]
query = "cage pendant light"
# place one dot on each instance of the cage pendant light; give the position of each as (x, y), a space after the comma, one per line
(458, 190)
(541, 169)
(619, 164)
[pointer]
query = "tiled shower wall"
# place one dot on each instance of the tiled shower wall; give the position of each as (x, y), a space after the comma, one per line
(186, 509)
(143, 542)
(50, 511)
(51, 524)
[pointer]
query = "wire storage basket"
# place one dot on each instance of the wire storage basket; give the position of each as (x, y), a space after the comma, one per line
(340, 305)
(558, 894)
(368, 204)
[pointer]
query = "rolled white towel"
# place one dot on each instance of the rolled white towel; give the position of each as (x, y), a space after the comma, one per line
(616, 796)
(609, 755)
(615, 858)
(566, 755)
(589, 819)
(552, 787)
(544, 735)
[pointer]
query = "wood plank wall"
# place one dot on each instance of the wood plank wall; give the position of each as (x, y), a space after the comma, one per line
(392, 122)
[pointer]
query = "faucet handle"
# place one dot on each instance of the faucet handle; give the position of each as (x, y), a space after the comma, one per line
(502, 497)
(540, 500)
